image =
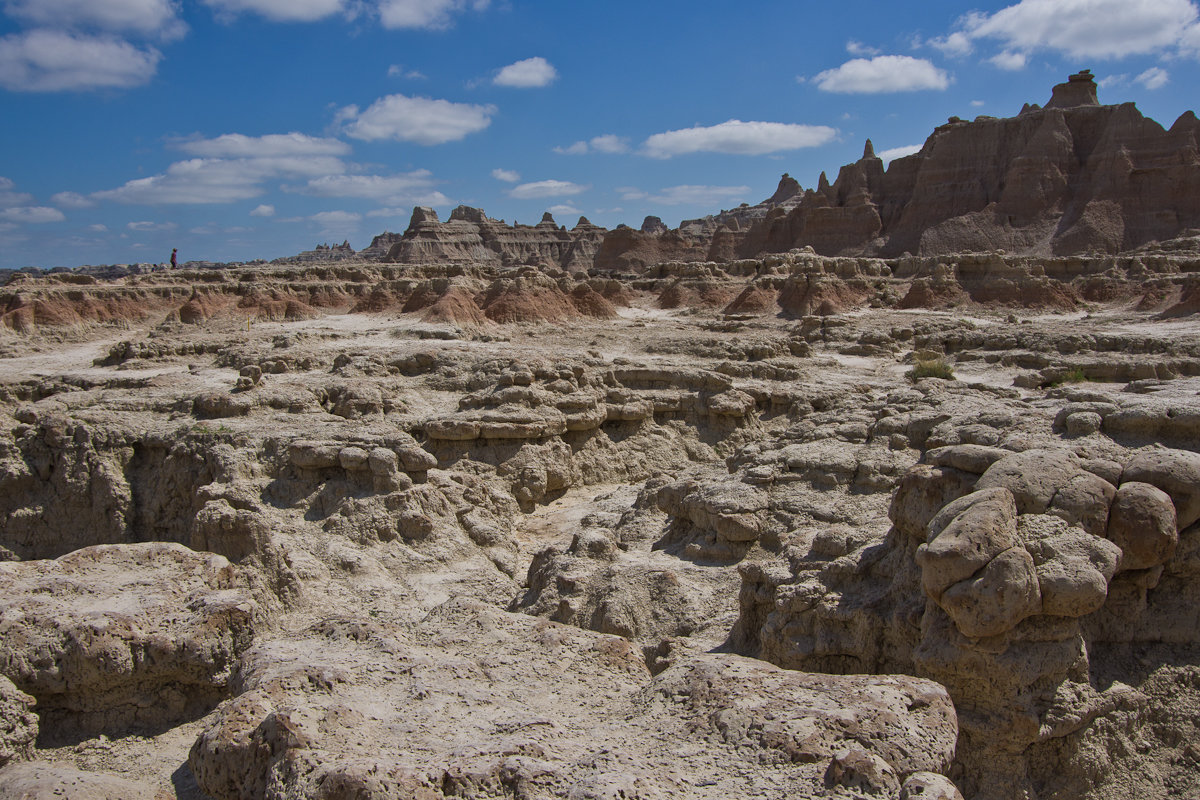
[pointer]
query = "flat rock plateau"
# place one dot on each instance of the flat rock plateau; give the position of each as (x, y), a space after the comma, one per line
(868, 491)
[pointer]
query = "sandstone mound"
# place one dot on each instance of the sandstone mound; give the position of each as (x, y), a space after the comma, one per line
(129, 637)
(318, 712)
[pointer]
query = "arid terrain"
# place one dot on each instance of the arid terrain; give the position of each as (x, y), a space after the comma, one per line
(475, 517)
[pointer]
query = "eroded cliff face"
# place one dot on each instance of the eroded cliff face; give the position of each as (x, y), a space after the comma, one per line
(470, 236)
(1073, 177)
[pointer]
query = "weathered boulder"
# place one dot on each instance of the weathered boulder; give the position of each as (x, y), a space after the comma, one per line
(1143, 525)
(1176, 472)
(18, 723)
(115, 638)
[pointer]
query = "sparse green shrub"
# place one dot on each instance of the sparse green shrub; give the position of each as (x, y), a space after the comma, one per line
(930, 368)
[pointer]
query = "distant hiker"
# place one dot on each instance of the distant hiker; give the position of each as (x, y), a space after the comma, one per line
(174, 257)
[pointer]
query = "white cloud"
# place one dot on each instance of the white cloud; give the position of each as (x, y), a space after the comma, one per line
(32, 214)
(577, 149)
(564, 209)
(98, 228)
(1010, 60)
(899, 152)
(197, 180)
(282, 10)
(411, 187)
(425, 13)
(415, 119)
(607, 143)
(1154, 78)
(401, 213)
(145, 17)
(71, 200)
(337, 222)
(978, 103)
(530, 191)
(399, 71)
(55, 61)
(275, 145)
(691, 195)
(882, 74)
(10, 197)
(531, 73)
(955, 44)
(1086, 28)
(506, 175)
(263, 210)
(856, 48)
(147, 226)
(737, 137)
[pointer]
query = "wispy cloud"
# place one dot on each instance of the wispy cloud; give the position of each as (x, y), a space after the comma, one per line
(550, 188)
(687, 194)
(506, 175)
(737, 137)
(57, 61)
(157, 18)
(433, 14)
(893, 153)
(607, 143)
(284, 10)
(263, 210)
(411, 187)
(32, 214)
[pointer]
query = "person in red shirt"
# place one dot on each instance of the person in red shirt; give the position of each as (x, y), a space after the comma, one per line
(174, 257)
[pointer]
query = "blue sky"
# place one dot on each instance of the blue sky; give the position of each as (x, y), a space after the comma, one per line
(239, 129)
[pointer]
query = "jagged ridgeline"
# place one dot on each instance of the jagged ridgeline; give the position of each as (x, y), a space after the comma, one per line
(1069, 178)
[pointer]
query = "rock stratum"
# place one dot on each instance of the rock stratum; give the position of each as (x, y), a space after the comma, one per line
(482, 522)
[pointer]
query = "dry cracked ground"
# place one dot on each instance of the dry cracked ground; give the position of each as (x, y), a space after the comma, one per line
(658, 548)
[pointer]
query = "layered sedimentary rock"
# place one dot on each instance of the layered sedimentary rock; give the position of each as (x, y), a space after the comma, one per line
(716, 237)
(471, 236)
(1073, 177)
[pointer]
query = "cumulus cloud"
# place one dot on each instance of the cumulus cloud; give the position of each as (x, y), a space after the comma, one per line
(737, 137)
(531, 73)
(551, 188)
(425, 13)
(882, 74)
(608, 143)
(1010, 60)
(275, 145)
(9, 196)
(421, 120)
(688, 194)
(1086, 28)
(411, 187)
(57, 61)
(144, 17)
(71, 200)
(506, 175)
(1154, 78)
(32, 214)
(282, 10)
(899, 152)
(564, 209)
(263, 210)
(954, 44)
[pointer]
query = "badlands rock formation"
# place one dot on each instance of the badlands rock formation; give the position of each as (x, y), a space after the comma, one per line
(1073, 177)
(923, 526)
(470, 236)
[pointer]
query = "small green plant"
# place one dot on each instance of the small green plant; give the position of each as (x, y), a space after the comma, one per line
(1075, 376)
(930, 368)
